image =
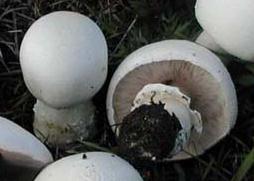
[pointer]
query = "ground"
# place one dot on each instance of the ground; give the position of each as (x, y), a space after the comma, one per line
(127, 26)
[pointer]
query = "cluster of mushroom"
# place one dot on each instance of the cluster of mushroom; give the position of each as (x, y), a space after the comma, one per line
(168, 100)
(174, 99)
(22, 156)
(63, 76)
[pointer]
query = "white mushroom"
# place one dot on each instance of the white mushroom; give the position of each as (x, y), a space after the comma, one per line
(165, 89)
(91, 166)
(207, 41)
(64, 63)
(230, 24)
(20, 149)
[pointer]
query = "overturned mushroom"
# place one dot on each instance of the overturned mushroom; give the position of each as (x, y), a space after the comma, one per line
(171, 100)
(90, 166)
(230, 24)
(21, 154)
(64, 63)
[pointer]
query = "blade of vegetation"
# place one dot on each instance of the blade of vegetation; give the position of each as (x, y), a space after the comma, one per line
(94, 146)
(247, 164)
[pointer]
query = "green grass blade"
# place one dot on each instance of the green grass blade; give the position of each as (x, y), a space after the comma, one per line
(245, 167)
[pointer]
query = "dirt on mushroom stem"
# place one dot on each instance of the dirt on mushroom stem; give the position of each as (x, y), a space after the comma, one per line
(149, 132)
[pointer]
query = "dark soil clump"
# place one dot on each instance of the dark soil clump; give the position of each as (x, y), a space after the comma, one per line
(149, 129)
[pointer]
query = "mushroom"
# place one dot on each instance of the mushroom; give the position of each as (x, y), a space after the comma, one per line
(63, 58)
(171, 100)
(207, 41)
(94, 166)
(230, 24)
(21, 154)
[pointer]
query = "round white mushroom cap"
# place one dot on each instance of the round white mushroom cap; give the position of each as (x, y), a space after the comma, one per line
(230, 23)
(91, 166)
(64, 58)
(19, 147)
(196, 71)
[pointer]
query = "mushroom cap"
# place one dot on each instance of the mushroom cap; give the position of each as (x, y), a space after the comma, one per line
(64, 58)
(91, 166)
(230, 24)
(196, 71)
(21, 148)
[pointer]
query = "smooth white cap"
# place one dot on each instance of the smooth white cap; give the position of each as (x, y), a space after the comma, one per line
(91, 166)
(19, 147)
(64, 58)
(230, 23)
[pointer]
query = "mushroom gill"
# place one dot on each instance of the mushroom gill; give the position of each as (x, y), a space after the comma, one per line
(203, 89)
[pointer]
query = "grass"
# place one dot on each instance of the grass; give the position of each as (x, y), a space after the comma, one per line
(127, 26)
(246, 165)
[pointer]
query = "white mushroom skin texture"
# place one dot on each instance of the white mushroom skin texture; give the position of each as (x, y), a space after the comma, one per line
(207, 41)
(19, 147)
(90, 166)
(63, 58)
(192, 69)
(230, 24)
(60, 122)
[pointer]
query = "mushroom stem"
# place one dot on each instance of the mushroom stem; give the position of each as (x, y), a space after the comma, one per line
(167, 110)
(207, 41)
(63, 126)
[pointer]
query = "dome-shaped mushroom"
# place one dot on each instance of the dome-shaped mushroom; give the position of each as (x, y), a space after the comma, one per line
(92, 166)
(20, 150)
(230, 24)
(63, 58)
(164, 90)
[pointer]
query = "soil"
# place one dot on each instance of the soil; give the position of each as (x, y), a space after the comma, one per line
(149, 129)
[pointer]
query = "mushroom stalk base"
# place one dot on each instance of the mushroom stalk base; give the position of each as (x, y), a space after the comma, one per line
(160, 115)
(207, 41)
(60, 127)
